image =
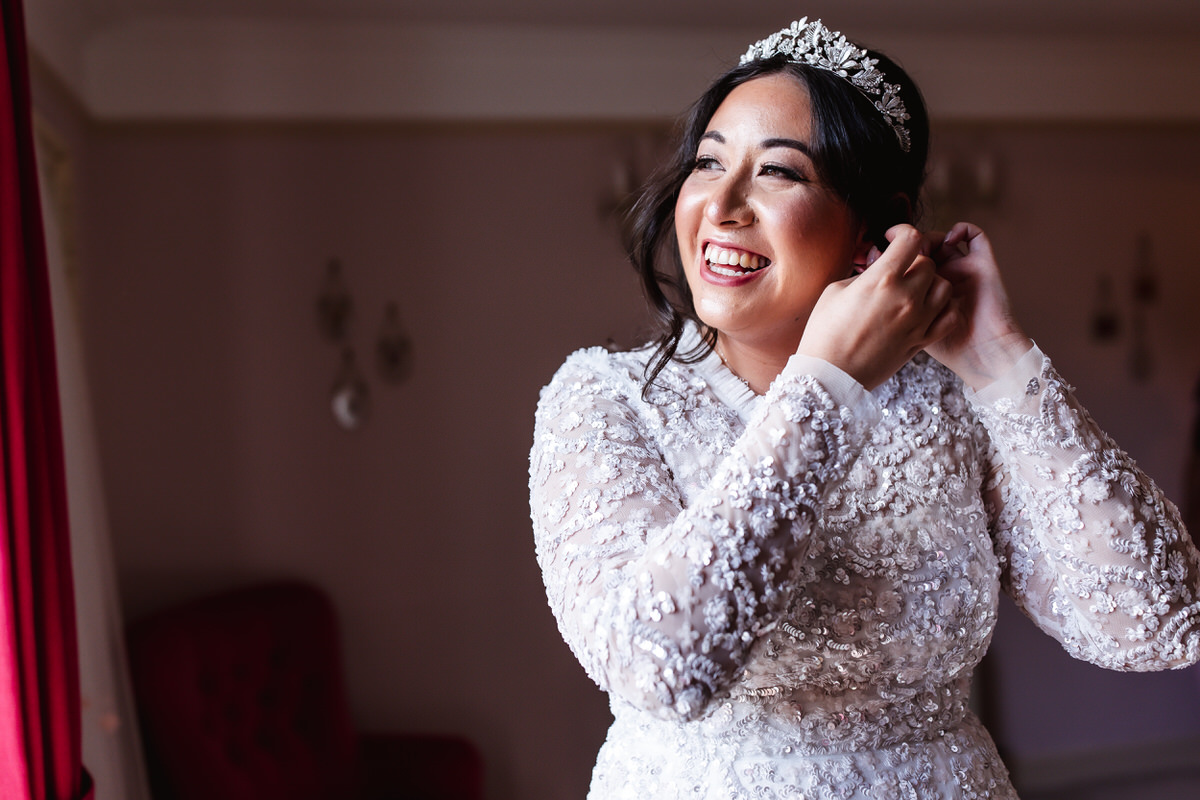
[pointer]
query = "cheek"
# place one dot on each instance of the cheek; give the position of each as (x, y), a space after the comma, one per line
(687, 223)
(800, 217)
(819, 233)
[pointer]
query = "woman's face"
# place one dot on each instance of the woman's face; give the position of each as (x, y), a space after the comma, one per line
(759, 236)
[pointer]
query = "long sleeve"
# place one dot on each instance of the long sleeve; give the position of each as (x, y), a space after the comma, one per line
(659, 598)
(1095, 554)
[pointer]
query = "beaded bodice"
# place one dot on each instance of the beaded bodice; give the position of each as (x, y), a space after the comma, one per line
(786, 595)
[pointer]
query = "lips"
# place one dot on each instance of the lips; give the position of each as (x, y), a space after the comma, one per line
(733, 263)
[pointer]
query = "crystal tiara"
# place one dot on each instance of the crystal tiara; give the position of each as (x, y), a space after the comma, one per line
(812, 43)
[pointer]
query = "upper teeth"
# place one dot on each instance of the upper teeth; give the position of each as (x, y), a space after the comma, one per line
(720, 255)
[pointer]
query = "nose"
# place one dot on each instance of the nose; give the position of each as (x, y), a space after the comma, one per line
(729, 202)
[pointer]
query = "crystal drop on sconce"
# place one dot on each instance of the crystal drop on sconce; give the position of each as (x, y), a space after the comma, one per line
(334, 304)
(393, 349)
(350, 399)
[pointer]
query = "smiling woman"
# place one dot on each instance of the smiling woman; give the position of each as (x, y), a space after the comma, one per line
(760, 236)
(841, 152)
(777, 535)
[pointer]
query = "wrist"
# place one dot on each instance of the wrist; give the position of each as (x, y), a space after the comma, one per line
(994, 360)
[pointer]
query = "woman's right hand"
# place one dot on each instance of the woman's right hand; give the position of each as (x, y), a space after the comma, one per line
(871, 324)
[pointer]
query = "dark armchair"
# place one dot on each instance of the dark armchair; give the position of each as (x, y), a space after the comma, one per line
(241, 696)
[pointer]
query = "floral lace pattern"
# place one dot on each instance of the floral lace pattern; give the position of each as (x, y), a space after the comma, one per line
(785, 596)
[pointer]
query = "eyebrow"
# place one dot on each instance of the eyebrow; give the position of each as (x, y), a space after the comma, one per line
(767, 144)
(794, 144)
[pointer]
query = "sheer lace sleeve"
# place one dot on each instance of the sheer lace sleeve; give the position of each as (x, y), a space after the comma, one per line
(660, 599)
(1095, 554)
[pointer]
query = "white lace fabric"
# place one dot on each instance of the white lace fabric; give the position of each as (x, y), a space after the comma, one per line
(785, 596)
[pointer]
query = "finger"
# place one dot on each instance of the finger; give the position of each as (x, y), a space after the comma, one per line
(968, 235)
(928, 326)
(940, 293)
(951, 246)
(933, 240)
(872, 256)
(904, 232)
(904, 246)
(932, 304)
(921, 274)
(947, 323)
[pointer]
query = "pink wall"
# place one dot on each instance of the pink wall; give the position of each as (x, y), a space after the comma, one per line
(213, 386)
(204, 250)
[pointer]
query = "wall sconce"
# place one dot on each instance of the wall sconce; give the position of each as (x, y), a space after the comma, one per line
(393, 348)
(1144, 289)
(1106, 323)
(334, 305)
(350, 397)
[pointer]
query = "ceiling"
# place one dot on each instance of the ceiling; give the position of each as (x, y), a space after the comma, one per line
(553, 60)
(967, 16)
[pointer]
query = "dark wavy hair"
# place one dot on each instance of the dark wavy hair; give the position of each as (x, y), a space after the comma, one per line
(856, 153)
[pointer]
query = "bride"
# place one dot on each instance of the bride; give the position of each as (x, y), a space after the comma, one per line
(777, 535)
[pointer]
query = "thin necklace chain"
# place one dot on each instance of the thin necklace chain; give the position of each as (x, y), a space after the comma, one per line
(724, 363)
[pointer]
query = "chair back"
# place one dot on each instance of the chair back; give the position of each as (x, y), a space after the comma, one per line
(241, 697)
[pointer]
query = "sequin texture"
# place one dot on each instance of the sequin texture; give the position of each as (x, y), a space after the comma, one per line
(785, 596)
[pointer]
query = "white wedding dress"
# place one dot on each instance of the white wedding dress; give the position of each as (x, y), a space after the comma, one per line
(785, 596)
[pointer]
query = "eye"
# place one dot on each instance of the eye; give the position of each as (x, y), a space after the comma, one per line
(705, 163)
(782, 171)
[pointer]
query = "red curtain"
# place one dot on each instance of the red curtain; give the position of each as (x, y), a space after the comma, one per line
(39, 671)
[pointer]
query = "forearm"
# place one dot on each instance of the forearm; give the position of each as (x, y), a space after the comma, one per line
(1098, 556)
(659, 601)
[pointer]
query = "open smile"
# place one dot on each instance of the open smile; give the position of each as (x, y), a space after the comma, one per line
(733, 263)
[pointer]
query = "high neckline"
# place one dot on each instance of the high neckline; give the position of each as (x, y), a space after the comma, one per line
(726, 385)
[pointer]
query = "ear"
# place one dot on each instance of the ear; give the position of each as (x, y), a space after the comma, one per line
(862, 248)
(902, 206)
(899, 210)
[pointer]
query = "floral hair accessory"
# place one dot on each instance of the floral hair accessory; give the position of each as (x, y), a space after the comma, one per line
(812, 43)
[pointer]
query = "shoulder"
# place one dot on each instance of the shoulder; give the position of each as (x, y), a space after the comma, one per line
(591, 412)
(592, 379)
(596, 370)
(621, 376)
(614, 384)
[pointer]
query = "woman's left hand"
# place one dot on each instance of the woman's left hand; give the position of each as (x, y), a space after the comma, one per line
(988, 341)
